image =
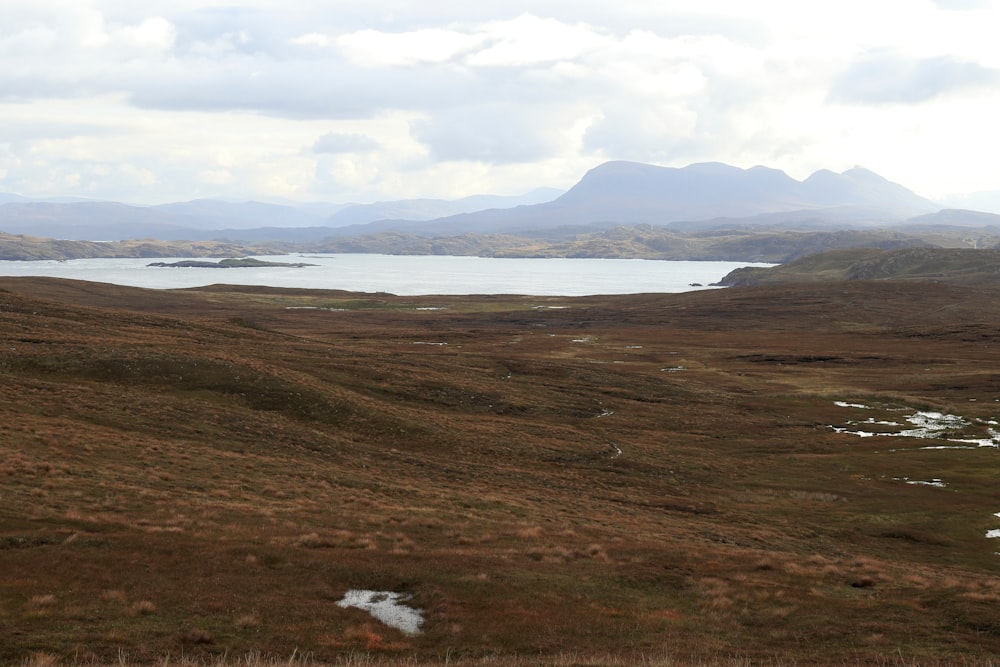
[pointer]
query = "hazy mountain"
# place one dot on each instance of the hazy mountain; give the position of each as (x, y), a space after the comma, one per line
(956, 218)
(216, 214)
(115, 221)
(627, 193)
(84, 220)
(699, 196)
(429, 209)
(977, 201)
(211, 218)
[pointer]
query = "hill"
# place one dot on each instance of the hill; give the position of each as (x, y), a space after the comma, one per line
(951, 265)
(29, 248)
(209, 219)
(429, 209)
(629, 193)
(613, 194)
(603, 480)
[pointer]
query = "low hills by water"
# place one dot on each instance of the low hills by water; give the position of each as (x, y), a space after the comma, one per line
(611, 195)
(964, 266)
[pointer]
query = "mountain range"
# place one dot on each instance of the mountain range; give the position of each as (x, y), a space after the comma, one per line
(700, 196)
(629, 193)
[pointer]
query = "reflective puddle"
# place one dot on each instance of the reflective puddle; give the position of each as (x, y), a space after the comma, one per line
(387, 607)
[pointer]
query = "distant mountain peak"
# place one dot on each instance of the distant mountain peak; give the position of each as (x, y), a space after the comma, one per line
(617, 192)
(862, 172)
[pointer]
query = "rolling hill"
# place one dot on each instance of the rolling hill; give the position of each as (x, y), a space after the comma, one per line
(202, 476)
(949, 265)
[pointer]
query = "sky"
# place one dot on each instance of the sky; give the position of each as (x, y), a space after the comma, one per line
(350, 101)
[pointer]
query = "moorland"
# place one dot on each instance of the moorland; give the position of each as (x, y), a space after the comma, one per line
(650, 479)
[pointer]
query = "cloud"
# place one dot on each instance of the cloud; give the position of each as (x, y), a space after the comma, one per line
(496, 133)
(373, 48)
(530, 40)
(336, 142)
(375, 98)
(639, 133)
(889, 78)
(961, 4)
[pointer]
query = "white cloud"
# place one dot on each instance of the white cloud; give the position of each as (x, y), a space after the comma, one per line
(379, 99)
(155, 33)
(341, 142)
(372, 48)
(313, 39)
(529, 40)
(881, 77)
(496, 133)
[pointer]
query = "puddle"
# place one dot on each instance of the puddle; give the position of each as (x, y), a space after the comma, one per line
(386, 607)
(926, 425)
(995, 533)
(333, 310)
(952, 429)
(917, 482)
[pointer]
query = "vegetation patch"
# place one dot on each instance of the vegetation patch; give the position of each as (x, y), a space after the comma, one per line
(178, 488)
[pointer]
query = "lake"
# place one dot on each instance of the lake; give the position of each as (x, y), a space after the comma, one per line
(406, 275)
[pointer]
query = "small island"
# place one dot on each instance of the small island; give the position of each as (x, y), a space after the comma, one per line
(232, 263)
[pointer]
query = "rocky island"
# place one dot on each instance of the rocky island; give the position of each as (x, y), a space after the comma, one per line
(232, 263)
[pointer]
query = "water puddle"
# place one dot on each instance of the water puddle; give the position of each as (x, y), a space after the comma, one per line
(387, 607)
(918, 482)
(927, 425)
(953, 430)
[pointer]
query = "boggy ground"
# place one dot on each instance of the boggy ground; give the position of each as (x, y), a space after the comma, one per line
(207, 472)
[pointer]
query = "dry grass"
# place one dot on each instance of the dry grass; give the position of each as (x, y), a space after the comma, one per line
(255, 659)
(177, 485)
(142, 608)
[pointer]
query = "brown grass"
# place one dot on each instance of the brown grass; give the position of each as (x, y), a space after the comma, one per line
(177, 485)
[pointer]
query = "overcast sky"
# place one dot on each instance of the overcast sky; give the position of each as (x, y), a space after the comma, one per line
(343, 100)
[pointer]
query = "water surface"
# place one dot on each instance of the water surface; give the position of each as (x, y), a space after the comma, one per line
(404, 274)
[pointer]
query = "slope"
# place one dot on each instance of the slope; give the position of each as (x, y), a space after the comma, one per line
(207, 472)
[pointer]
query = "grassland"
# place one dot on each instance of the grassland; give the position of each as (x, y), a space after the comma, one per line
(651, 479)
(967, 266)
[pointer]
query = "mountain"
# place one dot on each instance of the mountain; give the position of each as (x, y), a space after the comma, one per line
(980, 201)
(628, 193)
(85, 220)
(700, 196)
(956, 218)
(215, 214)
(8, 197)
(115, 221)
(210, 218)
(429, 209)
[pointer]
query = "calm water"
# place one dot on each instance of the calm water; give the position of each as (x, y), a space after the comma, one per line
(404, 275)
